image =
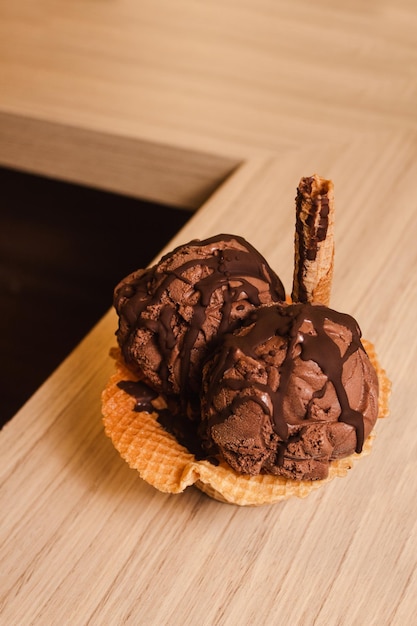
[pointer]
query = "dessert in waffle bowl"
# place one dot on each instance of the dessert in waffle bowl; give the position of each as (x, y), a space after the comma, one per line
(223, 382)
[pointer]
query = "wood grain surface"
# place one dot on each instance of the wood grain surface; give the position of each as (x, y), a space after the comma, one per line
(86, 541)
(141, 95)
(166, 101)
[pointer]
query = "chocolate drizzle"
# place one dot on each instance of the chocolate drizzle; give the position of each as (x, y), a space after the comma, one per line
(171, 418)
(234, 271)
(286, 321)
(142, 394)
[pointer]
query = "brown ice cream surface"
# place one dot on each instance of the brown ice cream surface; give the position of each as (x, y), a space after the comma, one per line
(171, 315)
(288, 392)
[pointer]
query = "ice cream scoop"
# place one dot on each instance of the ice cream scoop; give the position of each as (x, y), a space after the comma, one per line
(171, 315)
(288, 392)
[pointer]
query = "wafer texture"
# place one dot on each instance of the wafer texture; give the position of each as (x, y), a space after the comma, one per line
(169, 467)
(314, 241)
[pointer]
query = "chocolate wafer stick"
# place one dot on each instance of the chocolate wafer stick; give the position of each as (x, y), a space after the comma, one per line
(314, 244)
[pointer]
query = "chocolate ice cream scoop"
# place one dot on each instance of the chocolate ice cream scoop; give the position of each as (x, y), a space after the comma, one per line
(288, 392)
(171, 314)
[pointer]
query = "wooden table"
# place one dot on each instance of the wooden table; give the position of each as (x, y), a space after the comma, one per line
(163, 99)
(165, 103)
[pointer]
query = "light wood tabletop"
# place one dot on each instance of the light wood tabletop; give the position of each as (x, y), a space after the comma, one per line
(222, 106)
(85, 540)
(162, 99)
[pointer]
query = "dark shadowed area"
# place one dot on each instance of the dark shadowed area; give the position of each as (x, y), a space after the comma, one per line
(63, 248)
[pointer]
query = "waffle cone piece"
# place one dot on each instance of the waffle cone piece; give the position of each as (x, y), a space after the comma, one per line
(314, 241)
(170, 467)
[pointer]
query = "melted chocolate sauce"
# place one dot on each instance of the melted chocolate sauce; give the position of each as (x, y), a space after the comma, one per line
(286, 322)
(171, 418)
(142, 393)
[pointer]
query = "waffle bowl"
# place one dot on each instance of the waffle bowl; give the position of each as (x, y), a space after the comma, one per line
(169, 467)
